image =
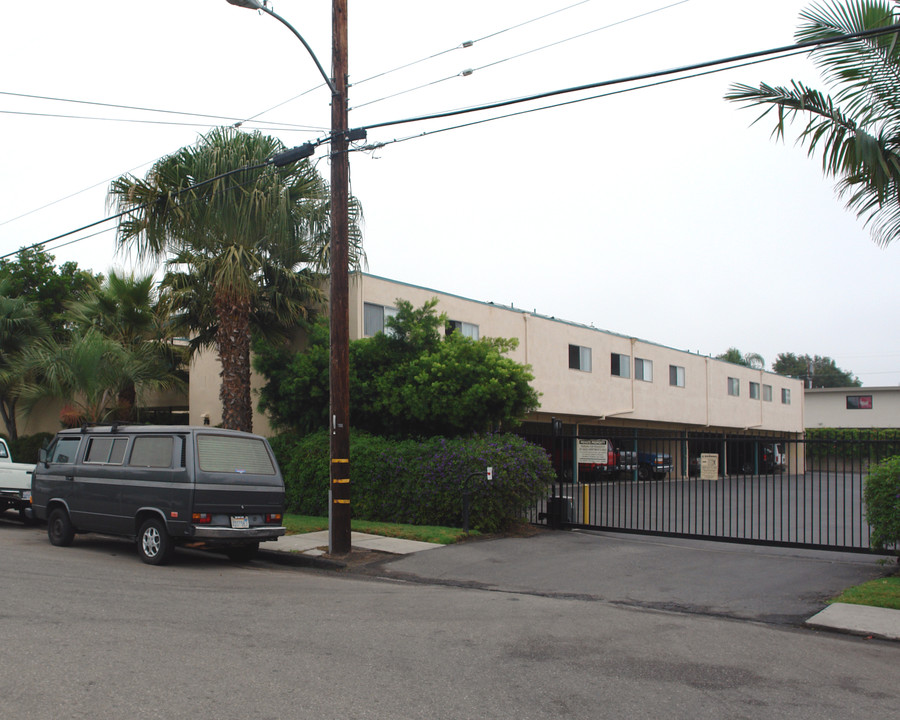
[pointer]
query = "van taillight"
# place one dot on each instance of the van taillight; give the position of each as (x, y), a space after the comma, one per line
(273, 517)
(201, 518)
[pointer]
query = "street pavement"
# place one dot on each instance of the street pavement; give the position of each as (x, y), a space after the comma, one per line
(767, 584)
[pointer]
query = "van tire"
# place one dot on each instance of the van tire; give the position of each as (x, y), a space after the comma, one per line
(155, 547)
(59, 528)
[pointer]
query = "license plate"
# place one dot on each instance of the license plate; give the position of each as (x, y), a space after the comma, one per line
(240, 522)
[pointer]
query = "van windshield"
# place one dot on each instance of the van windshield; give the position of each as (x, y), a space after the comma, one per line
(228, 454)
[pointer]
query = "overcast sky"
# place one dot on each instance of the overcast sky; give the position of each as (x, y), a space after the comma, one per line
(658, 213)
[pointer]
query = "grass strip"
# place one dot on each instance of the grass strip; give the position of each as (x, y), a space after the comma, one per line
(298, 524)
(883, 592)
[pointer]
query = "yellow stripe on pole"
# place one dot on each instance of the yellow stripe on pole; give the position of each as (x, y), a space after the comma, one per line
(341, 502)
(587, 500)
(341, 482)
(339, 460)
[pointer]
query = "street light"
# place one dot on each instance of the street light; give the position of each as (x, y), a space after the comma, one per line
(339, 313)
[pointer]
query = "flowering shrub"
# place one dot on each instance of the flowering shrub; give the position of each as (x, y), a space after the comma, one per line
(882, 497)
(420, 482)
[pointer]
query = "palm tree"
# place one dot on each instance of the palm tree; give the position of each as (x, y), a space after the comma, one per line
(858, 131)
(244, 250)
(88, 372)
(125, 308)
(751, 359)
(20, 327)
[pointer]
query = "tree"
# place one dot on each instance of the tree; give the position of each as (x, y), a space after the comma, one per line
(126, 309)
(88, 373)
(245, 244)
(816, 372)
(858, 131)
(33, 276)
(413, 380)
(750, 360)
(20, 327)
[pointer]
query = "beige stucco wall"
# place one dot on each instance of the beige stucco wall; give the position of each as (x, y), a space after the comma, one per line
(827, 407)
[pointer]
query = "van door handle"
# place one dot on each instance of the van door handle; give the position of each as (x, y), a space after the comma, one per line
(70, 478)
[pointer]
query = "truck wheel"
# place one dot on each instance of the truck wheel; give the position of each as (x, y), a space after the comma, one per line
(155, 547)
(242, 553)
(59, 528)
(644, 472)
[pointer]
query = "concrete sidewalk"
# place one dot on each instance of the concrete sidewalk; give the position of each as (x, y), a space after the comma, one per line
(858, 620)
(312, 544)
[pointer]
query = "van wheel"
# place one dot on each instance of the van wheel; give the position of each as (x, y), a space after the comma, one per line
(155, 547)
(59, 528)
(242, 553)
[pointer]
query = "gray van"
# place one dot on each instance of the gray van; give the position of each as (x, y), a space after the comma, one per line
(162, 485)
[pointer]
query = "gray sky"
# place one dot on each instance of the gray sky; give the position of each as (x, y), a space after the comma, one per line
(658, 213)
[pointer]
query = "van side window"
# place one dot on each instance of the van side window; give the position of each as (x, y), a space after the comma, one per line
(152, 452)
(64, 451)
(106, 450)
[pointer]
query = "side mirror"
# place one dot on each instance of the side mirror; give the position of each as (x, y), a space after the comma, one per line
(42, 457)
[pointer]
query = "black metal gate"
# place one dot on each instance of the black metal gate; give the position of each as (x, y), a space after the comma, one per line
(750, 489)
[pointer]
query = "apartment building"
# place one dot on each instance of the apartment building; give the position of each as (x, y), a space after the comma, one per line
(590, 377)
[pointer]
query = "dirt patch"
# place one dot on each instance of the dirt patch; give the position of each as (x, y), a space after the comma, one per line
(357, 557)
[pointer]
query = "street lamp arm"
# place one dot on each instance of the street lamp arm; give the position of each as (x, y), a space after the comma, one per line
(257, 5)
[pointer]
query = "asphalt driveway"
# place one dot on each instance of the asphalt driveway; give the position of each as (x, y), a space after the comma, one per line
(768, 584)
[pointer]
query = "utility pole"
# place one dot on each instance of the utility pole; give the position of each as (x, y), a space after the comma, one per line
(339, 303)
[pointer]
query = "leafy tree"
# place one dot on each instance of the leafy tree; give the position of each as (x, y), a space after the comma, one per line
(33, 276)
(816, 371)
(245, 244)
(858, 131)
(20, 327)
(413, 380)
(750, 360)
(125, 308)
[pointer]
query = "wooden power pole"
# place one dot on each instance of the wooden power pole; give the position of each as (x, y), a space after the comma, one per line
(339, 491)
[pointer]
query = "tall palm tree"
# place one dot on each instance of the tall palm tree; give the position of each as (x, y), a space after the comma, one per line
(751, 359)
(858, 131)
(20, 327)
(245, 250)
(125, 308)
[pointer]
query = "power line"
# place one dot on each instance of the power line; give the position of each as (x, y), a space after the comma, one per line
(471, 71)
(733, 61)
(138, 108)
(784, 50)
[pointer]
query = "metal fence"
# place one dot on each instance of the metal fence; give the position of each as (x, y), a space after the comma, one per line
(760, 489)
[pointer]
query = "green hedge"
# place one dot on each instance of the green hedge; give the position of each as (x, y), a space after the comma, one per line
(882, 497)
(26, 448)
(420, 482)
(853, 443)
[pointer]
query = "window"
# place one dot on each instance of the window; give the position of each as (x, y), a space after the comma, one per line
(374, 317)
(767, 393)
(152, 452)
(785, 396)
(754, 391)
(222, 454)
(579, 358)
(106, 450)
(859, 402)
(643, 370)
(64, 451)
(465, 329)
(620, 365)
(676, 376)
(734, 387)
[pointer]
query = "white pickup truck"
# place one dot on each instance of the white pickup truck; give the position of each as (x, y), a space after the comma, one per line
(15, 484)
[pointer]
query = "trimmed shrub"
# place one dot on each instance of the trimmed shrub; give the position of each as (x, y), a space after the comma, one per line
(882, 497)
(25, 449)
(421, 482)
